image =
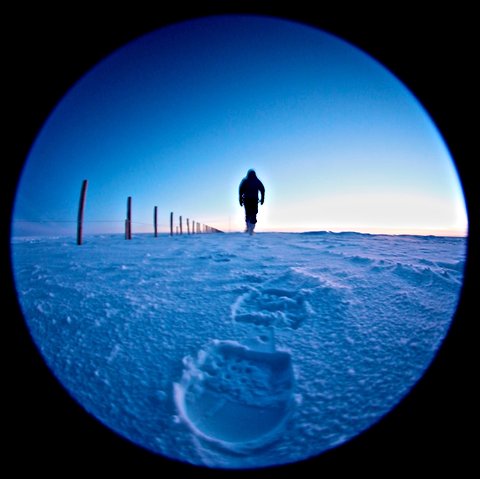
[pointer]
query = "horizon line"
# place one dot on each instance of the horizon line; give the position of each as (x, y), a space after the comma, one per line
(385, 232)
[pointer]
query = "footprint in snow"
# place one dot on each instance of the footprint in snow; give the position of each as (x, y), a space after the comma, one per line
(275, 307)
(234, 396)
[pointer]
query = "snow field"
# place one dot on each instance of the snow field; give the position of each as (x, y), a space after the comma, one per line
(234, 350)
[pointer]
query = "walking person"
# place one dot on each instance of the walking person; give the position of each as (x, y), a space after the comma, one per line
(250, 186)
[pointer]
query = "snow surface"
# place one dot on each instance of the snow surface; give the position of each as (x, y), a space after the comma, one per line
(235, 351)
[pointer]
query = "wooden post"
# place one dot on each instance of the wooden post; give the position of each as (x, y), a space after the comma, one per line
(171, 224)
(176, 229)
(180, 223)
(188, 227)
(155, 222)
(81, 207)
(193, 227)
(128, 221)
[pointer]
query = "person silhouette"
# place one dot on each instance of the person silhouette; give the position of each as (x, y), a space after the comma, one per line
(248, 197)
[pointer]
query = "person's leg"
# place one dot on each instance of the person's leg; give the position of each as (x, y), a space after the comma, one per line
(247, 217)
(251, 210)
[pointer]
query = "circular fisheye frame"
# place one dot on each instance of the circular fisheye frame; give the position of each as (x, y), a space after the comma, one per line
(231, 330)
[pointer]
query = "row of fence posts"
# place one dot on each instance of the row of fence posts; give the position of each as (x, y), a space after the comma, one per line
(196, 227)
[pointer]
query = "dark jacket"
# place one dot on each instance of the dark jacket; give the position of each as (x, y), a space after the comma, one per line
(250, 186)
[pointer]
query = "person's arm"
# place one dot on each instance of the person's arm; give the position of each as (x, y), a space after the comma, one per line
(262, 192)
(240, 193)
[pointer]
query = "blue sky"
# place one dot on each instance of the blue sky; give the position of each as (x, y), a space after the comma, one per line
(176, 118)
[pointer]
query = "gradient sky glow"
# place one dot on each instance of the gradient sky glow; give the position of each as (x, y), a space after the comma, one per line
(177, 117)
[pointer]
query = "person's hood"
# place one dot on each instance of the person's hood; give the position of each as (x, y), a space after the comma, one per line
(251, 174)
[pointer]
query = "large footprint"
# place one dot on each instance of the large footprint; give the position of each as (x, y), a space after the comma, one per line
(235, 396)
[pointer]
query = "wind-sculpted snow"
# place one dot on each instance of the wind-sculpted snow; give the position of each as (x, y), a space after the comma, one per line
(236, 351)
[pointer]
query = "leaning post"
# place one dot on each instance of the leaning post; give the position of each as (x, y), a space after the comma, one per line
(81, 207)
